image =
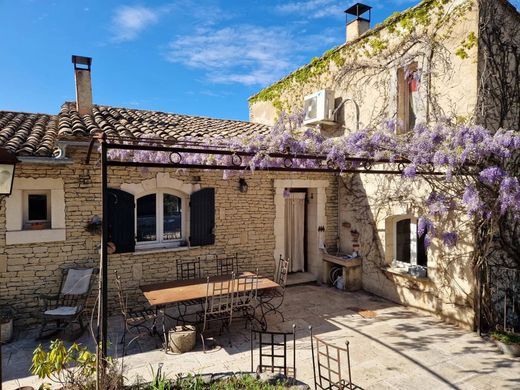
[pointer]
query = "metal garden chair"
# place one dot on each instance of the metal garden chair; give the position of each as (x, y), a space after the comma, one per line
(134, 320)
(270, 301)
(218, 306)
(327, 365)
(227, 265)
(187, 270)
(272, 352)
(244, 296)
(68, 306)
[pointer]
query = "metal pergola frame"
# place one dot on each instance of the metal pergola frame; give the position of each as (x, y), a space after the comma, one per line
(175, 148)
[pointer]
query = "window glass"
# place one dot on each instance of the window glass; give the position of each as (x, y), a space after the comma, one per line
(146, 218)
(422, 253)
(402, 242)
(37, 207)
(172, 223)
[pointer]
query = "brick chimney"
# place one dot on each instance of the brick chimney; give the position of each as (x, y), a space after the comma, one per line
(357, 21)
(83, 84)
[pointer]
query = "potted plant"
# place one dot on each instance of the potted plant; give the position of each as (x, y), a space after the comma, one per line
(6, 323)
(507, 342)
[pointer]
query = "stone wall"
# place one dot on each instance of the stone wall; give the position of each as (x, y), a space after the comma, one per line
(449, 88)
(363, 75)
(244, 225)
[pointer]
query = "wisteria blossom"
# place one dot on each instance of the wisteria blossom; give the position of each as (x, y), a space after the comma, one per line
(449, 239)
(472, 151)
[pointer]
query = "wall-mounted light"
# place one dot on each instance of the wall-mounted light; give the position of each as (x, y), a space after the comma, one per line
(242, 185)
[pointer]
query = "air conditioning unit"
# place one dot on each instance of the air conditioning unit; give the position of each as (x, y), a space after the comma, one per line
(319, 108)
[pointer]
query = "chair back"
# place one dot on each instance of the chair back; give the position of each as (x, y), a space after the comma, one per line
(327, 365)
(246, 290)
(188, 269)
(272, 352)
(121, 297)
(282, 270)
(227, 265)
(75, 285)
(219, 297)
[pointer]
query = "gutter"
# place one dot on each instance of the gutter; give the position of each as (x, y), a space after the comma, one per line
(61, 157)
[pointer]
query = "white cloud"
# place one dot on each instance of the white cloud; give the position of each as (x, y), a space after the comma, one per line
(128, 22)
(245, 54)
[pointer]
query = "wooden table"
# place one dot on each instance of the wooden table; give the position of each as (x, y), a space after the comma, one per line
(159, 294)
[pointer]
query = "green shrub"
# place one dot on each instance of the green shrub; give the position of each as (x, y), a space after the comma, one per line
(506, 337)
(73, 368)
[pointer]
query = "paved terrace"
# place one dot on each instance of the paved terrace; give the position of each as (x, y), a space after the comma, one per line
(392, 347)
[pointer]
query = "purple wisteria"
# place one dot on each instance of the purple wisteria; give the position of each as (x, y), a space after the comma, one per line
(469, 151)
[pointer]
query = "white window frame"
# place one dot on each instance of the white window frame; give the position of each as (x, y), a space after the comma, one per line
(413, 240)
(14, 211)
(159, 242)
(26, 220)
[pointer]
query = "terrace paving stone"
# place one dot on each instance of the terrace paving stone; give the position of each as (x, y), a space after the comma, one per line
(392, 347)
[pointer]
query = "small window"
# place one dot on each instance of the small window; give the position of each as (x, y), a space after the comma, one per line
(159, 218)
(408, 246)
(37, 210)
(407, 87)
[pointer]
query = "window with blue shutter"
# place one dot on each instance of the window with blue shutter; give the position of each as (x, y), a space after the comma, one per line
(202, 217)
(121, 220)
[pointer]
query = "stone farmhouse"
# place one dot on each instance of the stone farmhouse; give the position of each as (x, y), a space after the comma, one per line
(447, 66)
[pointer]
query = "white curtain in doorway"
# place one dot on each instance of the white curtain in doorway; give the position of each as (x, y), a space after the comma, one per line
(294, 230)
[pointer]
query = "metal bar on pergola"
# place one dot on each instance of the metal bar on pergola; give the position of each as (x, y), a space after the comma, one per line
(176, 149)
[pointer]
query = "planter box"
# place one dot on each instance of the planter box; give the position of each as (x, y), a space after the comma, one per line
(182, 339)
(6, 331)
(508, 349)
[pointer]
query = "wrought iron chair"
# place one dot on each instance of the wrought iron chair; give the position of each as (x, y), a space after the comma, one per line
(272, 352)
(227, 265)
(218, 306)
(270, 301)
(68, 306)
(187, 270)
(244, 296)
(135, 319)
(327, 365)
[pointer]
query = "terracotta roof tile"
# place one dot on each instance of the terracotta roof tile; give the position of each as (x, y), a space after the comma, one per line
(28, 134)
(36, 134)
(127, 122)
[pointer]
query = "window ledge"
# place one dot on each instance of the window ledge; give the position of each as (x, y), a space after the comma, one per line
(33, 236)
(145, 251)
(403, 273)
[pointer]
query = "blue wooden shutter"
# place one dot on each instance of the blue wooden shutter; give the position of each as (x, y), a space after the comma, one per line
(121, 220)
(202, 217)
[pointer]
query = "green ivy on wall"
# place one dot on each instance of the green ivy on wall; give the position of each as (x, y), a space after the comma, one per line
(400, 25)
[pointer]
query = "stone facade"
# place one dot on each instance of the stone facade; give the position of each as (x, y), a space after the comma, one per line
(244, 224)
(456, 83)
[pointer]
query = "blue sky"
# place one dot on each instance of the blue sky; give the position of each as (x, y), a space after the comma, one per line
(197, 57)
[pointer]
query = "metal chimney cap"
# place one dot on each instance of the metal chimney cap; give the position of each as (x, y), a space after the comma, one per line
(358, 9)
(80, 60)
